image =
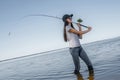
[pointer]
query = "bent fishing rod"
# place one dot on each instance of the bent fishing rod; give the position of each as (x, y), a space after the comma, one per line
(79, 20)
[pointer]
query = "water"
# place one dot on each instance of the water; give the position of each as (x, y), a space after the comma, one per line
(58, 65)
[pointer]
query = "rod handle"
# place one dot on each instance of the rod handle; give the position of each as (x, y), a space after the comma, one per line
(81, 25)
(84, 26)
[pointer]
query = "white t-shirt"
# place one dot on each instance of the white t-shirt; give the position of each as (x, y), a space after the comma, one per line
(72, 37)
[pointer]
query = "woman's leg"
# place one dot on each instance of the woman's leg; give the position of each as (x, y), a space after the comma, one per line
(85, 58)
(75, 55)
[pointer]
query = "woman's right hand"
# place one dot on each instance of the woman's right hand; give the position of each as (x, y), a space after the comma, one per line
(89, 28)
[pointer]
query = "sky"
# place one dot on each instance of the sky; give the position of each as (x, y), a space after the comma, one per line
(20, 35)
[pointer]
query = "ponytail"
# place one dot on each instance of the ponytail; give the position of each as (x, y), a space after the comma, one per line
(64, 34)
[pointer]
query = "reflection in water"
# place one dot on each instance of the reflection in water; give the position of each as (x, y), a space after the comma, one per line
(91, 76)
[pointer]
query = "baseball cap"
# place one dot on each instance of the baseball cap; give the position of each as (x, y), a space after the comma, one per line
(66, 16)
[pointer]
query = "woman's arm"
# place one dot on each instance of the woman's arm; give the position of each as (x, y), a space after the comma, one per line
(80, 32)
(80, 29)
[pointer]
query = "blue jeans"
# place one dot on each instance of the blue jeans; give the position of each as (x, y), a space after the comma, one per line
(77, 52)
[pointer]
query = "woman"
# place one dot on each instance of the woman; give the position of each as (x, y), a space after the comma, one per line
(72, 35)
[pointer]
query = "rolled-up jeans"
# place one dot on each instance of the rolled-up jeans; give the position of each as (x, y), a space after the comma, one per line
(77, 52)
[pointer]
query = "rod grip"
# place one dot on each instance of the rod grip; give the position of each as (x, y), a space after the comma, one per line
(84, 26)
(81, 25)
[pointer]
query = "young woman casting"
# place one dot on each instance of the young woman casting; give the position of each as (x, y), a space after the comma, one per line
(73, 35)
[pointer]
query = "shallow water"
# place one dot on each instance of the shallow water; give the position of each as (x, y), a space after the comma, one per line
(58, 65)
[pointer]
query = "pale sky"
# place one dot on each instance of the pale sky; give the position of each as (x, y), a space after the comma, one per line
(23, 36)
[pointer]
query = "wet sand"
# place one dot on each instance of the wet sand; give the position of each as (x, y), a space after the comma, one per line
(58, 64)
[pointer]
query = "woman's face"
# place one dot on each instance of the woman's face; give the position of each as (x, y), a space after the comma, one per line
(69, 20)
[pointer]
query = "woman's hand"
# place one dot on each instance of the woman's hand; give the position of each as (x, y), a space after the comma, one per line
(89, 28)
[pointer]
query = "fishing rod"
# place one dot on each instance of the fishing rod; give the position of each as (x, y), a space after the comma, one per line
(79, 20)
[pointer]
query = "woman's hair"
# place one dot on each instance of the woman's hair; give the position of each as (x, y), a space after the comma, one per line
(64, 34)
